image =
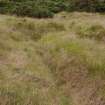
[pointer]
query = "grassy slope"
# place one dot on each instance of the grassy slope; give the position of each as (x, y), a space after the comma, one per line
(59, 61)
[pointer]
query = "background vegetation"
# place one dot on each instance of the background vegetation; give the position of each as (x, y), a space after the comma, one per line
(47, 8)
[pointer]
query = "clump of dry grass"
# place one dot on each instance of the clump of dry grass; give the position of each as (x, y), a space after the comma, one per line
(91, 31)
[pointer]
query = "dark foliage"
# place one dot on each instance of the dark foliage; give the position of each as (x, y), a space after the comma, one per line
(47, 8)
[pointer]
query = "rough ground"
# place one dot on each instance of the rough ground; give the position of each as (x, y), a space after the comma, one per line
(58, 61)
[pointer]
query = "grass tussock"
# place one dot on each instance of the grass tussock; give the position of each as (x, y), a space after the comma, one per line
(91, 31)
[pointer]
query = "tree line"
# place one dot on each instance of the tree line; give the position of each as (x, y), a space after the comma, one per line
(47, 8)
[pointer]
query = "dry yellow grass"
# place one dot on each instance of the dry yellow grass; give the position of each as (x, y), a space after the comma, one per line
(58, 61)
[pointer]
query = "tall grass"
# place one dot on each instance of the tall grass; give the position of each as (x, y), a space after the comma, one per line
(43, 62)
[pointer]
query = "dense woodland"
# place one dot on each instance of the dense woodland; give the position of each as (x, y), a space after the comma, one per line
(47, 8)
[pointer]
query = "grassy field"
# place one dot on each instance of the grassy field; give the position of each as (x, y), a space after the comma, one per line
(58, 61)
